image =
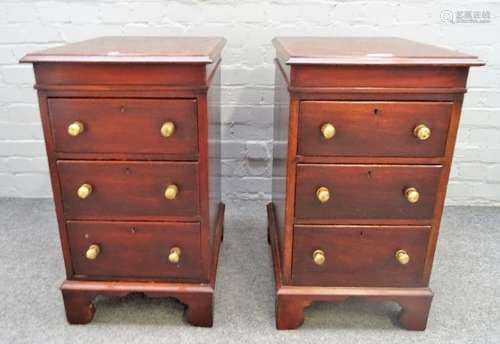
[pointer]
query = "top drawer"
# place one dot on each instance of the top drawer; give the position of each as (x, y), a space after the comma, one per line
(382, 128)
(131, 126)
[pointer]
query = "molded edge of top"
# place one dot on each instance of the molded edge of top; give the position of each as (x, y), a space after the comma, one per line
(459, 59)
(63, 53)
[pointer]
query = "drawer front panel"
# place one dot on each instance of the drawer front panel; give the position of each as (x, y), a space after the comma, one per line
(373, 128)
(128, 190)
(365, 191)
(131, 126)
(359, 255)
(128, 250)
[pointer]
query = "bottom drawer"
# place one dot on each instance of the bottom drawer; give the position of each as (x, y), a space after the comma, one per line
(359, 256)
(135, 250)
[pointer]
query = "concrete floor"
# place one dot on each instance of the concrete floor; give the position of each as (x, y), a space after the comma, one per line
(466, 282)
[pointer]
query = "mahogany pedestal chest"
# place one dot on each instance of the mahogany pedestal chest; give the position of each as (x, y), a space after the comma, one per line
(131, 128)
(364, 132)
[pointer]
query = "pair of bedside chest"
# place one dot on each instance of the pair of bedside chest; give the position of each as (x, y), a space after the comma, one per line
(363, 141)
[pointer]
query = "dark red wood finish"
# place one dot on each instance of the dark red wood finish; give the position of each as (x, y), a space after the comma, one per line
(367, 51)
(177, 51)
(373, 128)
(359, 256)
(129, 126)
(123, 89)
(365, 192)
(129, 190)
(375, 91)
(291, 300)
(137, 250)
(197, 297)
(390, 77)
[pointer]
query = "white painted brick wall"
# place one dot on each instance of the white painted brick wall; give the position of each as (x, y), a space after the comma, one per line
(248, 75)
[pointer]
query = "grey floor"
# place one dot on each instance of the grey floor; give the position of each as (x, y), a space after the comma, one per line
(466, 282)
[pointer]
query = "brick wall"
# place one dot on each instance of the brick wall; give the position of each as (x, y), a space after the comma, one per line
(248, 75)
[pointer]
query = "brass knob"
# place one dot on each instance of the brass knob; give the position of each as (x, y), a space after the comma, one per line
(167, 129)
(402, 257)
(171, 191)
(84, 191)
(328, 130)
(175, 255)
(422, 132)
(319, 257)
(412, 195)
(76, 128)
(93, 251)
(323, 194)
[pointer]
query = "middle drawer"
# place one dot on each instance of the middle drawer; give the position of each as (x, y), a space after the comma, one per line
(116, 190)
(326, 193)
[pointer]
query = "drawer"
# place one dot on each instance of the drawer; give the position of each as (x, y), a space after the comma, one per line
(116, 190)
(351, 256)
(128, 250)
(365, 192)
(127, 126)
(376, 129)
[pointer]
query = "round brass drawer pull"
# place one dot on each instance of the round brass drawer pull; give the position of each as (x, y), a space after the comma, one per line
(323, 194)
(319, 257)
(422, 132)
(412, 195)
(84, 191)
(92, 252)
(402, 257)
(76, 128)
(328, 130)
(167, 129)
(171, 191)
(175, 255)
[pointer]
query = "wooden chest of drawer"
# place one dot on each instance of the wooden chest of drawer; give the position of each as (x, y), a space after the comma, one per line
(364, 132)
(135, 182)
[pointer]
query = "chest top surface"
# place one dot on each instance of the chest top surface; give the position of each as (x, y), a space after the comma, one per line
(367, 51)
(137, 49)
